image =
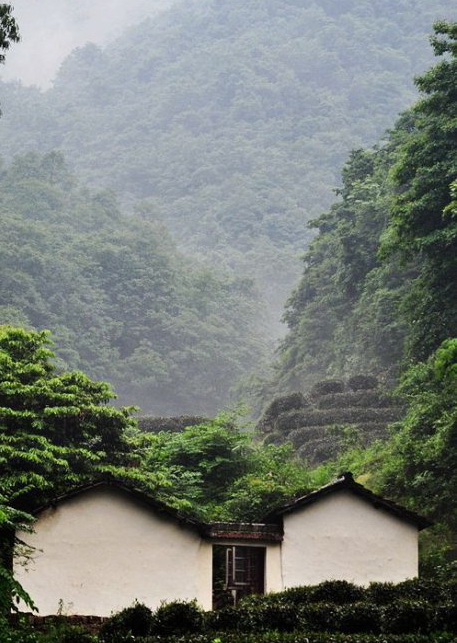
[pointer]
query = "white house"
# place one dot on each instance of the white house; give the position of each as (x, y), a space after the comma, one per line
(100, 547)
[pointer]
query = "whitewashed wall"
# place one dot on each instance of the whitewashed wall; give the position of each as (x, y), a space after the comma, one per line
(98, 552)
(343, 537)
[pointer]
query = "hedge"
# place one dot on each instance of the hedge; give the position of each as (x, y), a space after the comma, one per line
(302, 637)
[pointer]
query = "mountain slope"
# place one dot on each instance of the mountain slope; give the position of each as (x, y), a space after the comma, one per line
(122, 302)
(231, 118)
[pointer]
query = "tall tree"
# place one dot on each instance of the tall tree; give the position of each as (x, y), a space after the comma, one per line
(56, 429)
(424, 222)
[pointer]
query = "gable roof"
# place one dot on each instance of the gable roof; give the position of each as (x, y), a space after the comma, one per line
(157, 506)
(346, 482)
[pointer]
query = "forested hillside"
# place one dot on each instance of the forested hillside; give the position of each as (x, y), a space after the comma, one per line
(123, 303)
(379, 284)
(231, 118)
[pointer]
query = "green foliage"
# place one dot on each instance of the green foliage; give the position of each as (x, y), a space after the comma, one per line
(342, 608)
(137, 621)
(64, 633)
(379, 281)
(11, 592)
(55, 429)
(421, 456)
(415, 606)
(231, 119)
(18, 634)
(343, 317)
(423, 223)
(178, 617)
(306, 637)
(128, 624)
(216, 472)
(9, 31)
(123, 304)
(336, 591)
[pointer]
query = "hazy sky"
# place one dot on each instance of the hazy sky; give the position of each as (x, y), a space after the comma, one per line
(50, 29)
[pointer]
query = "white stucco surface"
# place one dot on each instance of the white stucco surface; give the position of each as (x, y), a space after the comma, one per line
(273, 569)
(98, 552)
(344, 537)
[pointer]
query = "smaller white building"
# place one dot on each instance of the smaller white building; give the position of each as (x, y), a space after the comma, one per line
(103, 546)
(343, 531)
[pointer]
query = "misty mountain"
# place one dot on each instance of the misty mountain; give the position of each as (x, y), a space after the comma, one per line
(121, 302)
(232, 119)
(51, 29)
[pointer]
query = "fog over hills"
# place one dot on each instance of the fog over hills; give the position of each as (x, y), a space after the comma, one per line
(50, 29)
(223, 122)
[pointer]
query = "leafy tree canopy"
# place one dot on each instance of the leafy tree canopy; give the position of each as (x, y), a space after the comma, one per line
(56, 429)
(379, 280)
(233, 118)
(216, 471)
(123, 304)
(9, 31)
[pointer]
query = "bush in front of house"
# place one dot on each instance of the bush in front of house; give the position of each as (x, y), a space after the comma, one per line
(301, 637)
(339, 592)
(360, 617)
(64, 633)
(133, 621)
(423, 589)
(178, 617)
(405, 616)
(297, 595)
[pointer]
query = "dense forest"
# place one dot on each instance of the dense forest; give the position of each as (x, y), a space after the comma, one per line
(122, 301)
(379, 281)
(231, 119)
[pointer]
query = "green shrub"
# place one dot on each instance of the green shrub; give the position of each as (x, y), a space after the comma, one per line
(320, 617)
(382, 593)
(304, 434)
(405, 617)
(279, 406)
(64, 633)
(297, 595)
(292, 420)
(154, 424)
(445, 617)
(274, 438)
(223, 620)
(20, 633)
(336, 591)
(301, 637)
(424, 589)
(132, 621)
(350, 399)
(178, 617)
(450, 589)
(359, 617)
